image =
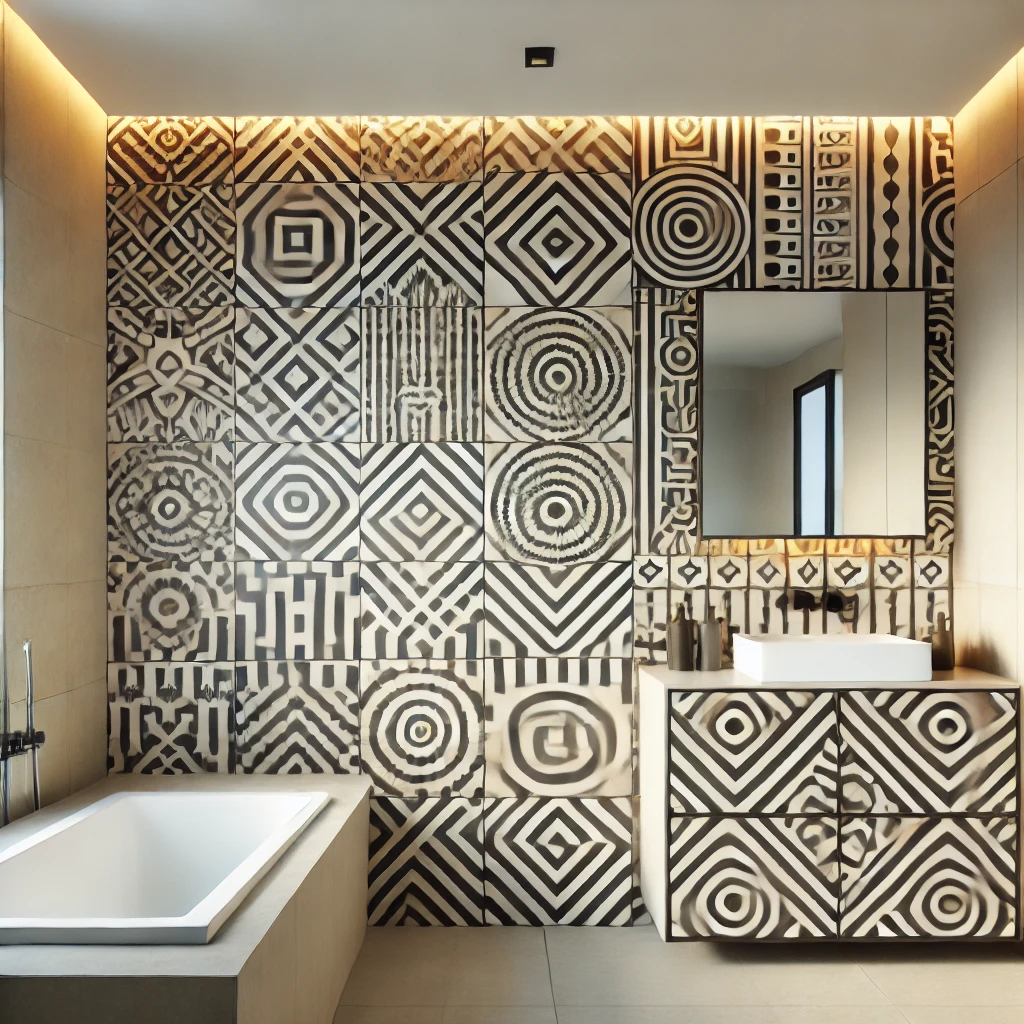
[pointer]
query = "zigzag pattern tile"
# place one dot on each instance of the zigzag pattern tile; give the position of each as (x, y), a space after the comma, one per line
(422, 502)
(297, 149)
(753, 753)
(602, 145)
(297, 717)
(918, 752)
(950, 878)
(422, 609)
(422, 245)
(297, 375)
(753, 878)
(558, 861)
(426, 862)
(296, 501)
(580, 611)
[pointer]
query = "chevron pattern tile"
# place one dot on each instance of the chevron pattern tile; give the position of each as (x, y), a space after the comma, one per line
(951, 878)
(753, 878)
(580, 611)
(295, 717)
(297, 149)
(741, 753)
(920, 751)
(426, 862)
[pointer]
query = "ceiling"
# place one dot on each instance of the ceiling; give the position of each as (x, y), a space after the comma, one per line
(892, 57)
(765, 329)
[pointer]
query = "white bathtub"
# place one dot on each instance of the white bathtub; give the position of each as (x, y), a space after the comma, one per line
(146, 868)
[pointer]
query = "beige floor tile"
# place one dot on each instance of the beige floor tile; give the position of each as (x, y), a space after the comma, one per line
(499, 1015)
(402, 967)
(633, 967)
(500, 967)
(665, 1015)
(817, 983)
(388, 1015)
(835, 1015)
(962, 1014)
(930, 976)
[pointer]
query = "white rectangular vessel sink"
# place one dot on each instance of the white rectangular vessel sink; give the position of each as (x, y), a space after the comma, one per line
(842, 658)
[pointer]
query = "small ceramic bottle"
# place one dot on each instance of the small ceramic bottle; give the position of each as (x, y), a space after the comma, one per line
(709, 653)
(680, 641)
(942, 645)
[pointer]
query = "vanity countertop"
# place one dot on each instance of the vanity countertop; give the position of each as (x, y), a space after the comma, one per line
(730, 679)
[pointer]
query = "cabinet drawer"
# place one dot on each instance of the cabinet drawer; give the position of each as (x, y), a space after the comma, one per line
(753, 752)
(753, 878)
(928, 878)
(924, 752)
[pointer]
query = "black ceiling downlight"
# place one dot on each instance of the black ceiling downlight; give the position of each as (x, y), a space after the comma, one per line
(540, 56)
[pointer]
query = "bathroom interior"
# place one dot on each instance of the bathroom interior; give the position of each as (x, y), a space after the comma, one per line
(511, 567)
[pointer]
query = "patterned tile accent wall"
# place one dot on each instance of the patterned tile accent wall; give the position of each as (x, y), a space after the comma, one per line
(403, 435)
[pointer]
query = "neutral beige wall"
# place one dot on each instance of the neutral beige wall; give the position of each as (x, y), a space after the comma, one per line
(988, 563)
(54, 337)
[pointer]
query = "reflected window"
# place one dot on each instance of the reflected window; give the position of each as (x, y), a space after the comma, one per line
(817, 434)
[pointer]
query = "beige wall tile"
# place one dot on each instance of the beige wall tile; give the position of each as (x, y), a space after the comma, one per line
(1020, 104)
(36, 513)
(86, 633)
(39, 614)
(35, 114)
(86, 395)
(965, 621)
(87, 739)
(87, 519)
(53, 719)
(35, 258)
(36, 372)
(997, 123)
(965, 140)
(998, 622)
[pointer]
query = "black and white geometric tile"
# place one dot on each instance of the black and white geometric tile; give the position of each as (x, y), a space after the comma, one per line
(298, 245)
(559, 727)
(422, 609)
(721, 743)
(651, 572)
(169, 719)
(426, 862)
(558, 374)
(917, 752)
(422, 244)
(169, 150)
(558, 861)
(303, 611)
(754, 878)
(297, 501)
(169, 245)
(421, 148)
(171, 502)
(170, 374)
(934, 877)
(422, 502)
(559, 504)
(421, 373)
(650, 624)
(297, 374)
(421, 727)
(295, 717)
(602, 145)
(297, 149)
(580, 611)
(557, 240)
(165, 611)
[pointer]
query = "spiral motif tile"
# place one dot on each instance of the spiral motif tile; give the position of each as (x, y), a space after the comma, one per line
(691, 227)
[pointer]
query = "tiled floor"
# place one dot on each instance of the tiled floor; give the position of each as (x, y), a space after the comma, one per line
(628, 976)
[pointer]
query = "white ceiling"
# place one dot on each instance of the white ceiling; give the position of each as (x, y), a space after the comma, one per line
(892, 57)
(763, 329)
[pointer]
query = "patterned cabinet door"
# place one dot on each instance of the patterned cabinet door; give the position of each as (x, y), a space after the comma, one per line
(753, 753)
(950, 878)
(920, 752)
(753, 878)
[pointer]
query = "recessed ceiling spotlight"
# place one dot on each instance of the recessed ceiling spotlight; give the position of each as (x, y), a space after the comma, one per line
(540, 56)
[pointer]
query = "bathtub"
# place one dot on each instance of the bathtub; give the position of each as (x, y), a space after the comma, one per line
(143, 868)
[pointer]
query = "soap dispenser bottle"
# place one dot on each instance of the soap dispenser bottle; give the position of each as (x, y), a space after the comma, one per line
(942, 645)
(709, 652)
(680, 641)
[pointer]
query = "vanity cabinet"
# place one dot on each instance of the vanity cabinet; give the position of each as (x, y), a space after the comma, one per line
(829, 812)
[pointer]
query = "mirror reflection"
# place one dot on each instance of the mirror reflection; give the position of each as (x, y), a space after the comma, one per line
(813, 414)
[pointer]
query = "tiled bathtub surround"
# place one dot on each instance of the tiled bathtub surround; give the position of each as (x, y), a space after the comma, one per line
(403, 437)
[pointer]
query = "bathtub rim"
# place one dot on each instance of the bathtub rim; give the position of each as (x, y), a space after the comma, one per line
(347, 812)
(201, 923)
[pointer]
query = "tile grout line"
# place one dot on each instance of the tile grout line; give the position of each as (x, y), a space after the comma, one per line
(551, 982)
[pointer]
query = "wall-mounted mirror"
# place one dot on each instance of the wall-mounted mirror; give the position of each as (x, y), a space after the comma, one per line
(813, 414)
